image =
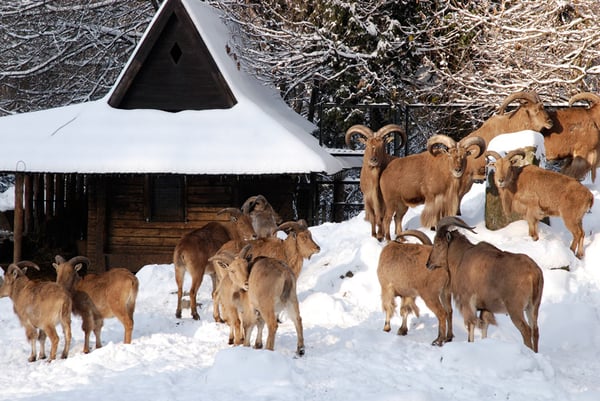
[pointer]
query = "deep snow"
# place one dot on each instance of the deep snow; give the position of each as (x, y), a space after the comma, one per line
(348, 356)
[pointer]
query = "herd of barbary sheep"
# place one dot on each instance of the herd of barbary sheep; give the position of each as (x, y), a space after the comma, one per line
(254, 272)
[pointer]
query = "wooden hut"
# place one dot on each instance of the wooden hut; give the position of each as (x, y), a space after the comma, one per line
(184, 132)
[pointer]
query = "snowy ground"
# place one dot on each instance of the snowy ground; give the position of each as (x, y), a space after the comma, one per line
(348, 356)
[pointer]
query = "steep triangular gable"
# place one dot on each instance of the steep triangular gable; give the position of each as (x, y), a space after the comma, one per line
(173, 69)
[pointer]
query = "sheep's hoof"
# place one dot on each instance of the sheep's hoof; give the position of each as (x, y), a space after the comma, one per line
(402, 331)
(195, 316)
(438, 342)
(178, 314)
(300, 351)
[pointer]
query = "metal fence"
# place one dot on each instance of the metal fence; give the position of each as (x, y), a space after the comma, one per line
(338, 197)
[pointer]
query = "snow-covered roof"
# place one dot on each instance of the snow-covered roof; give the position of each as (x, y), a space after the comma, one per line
(260, 134)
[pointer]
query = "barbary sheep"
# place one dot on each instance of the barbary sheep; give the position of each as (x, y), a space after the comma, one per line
(194, 248)
(432, 177)
(96, 297)
(483, 278)
(297, 246)
(268, 287)
(402, 272)
(530, 115)
(264, 218)
(375, 160)
(575, 136)
(40, 306)
(535, 193)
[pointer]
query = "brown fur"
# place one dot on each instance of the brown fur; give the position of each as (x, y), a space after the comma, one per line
(431, 178)
(536, 193)
(530, 115)
(267, 287)
(484, 278)
(40, 306)
(263, 216)
(575, 135)
(194, 248)
(96, 297)
(402, 273)
(375, 160)
(296, 247)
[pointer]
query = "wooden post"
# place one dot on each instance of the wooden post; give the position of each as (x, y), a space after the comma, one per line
(18, 219)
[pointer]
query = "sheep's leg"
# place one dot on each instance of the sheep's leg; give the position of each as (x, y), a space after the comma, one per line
(66, 328)
(179, 276)
(215, 285)
(87, 325)
(578, 237)
(517, 318)
(271, 322)
(53, 336)
(401, 210)
(407, 306)
(485, 319)
(196, 283)
(98, 323)
(532, 223)
(32, 336)
(532, 316)
(388, 304)
(434, 304)
(470, 318)
(294, 313)
(127, 322)
(260, 325)
(42, 340)
(446, 298)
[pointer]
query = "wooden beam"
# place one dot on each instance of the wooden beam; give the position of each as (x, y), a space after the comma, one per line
(18, 219)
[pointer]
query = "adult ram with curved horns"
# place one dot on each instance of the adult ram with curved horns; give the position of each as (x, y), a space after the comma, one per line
(375, 160)
(530, 115)
(432, 178)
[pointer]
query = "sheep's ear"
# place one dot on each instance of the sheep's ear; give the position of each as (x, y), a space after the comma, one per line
(78, 266)
(55, 266)
(448, 237)
(248, 257)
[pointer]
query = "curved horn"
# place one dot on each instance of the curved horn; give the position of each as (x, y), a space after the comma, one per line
(290, 226)
(452, 221)
(474, 141)
(440, 140)
(389, 129)
(27, 263)
(231, 210)
(531, 97)
(494, 154)
(592, 98)
(225, 257)
(245, 251)
(425, 240)
(79, 259)
(59, 259)
(360, 129)
(516, 152)
(248, 205)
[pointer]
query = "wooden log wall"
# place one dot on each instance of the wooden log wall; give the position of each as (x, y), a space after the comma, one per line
(41, 221)
(120, 233)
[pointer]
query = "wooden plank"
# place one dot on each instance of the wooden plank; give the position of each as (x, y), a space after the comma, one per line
(18, 218)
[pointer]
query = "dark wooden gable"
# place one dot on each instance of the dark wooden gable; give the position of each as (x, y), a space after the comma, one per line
(172, 69)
